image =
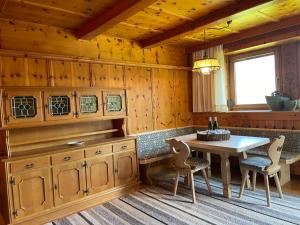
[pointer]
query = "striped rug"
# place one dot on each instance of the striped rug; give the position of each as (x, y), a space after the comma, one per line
(156, 205)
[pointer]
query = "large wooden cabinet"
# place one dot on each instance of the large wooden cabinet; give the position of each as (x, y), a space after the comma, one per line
(49, 183)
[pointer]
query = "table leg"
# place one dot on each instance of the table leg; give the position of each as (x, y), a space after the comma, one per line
(226, 176)
(243, 155)
(207, 156)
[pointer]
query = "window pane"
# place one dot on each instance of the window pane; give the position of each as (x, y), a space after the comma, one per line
(254, 79)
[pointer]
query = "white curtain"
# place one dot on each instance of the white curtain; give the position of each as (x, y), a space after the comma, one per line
(210, 91)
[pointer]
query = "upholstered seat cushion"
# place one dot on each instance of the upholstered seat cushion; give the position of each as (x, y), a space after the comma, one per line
(197, 163)
(256, 162)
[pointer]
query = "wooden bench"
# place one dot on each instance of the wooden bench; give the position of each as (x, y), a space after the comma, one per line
(286, 159)
(149, 166)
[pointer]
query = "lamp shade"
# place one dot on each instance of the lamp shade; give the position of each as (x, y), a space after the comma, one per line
(206, 65)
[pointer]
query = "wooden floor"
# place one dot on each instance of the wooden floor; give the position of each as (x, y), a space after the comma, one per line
(292, 187)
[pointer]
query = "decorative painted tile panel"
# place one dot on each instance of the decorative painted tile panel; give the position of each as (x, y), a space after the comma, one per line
(153, 144)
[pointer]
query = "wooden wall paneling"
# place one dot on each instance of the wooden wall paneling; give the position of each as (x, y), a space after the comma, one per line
(289, 70)
(183, 98)
(60, 73)
(31, 37)
(107, 75)
(81, 75)
(13, 71)
(163, 98)
(269, 120)
(37, 72)
(139, 97)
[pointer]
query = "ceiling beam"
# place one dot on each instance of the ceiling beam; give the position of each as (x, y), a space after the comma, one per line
(105, 20)
(202, 21)
(248, 33)
(268, 39)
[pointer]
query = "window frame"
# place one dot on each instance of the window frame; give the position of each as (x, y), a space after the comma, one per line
(231, 78)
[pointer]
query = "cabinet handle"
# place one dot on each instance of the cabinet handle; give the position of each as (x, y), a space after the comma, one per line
(124, 147)
(29, 166)
(116, 170)
(67, 158)
(98, 152)
(55, 186)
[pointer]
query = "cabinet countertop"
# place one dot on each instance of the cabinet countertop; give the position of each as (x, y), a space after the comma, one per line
(64, 148)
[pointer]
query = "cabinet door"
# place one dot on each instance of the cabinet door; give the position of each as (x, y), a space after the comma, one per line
(22, 107)
(69, 182)
(99, 172)
(125, 168)
(89, 104)
(59, 105)
(114, 103)
(31, 192)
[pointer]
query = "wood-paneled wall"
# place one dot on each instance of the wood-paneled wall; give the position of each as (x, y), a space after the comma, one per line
(32, 37)
(290, 69)
(158, 83)
(264, 120)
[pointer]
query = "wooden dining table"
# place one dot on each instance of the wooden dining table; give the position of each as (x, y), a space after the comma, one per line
(236, 145)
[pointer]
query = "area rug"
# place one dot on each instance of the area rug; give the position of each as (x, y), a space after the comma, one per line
(157, 205)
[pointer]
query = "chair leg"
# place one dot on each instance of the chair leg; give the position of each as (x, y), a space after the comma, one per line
(188, 180)
(278, 185)
(254, 181)
(176, 183)
(266, 178)
(245, 176)
(193, 187)
(207, 182)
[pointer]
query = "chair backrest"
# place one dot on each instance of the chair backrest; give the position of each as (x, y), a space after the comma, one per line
(181, 151)
(274, 151)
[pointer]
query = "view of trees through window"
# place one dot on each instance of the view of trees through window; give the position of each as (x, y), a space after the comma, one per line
(254, 79)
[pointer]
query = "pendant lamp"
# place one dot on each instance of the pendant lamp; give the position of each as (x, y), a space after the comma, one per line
(207, 65)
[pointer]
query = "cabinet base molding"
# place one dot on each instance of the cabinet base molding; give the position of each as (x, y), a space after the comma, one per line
(77, 206)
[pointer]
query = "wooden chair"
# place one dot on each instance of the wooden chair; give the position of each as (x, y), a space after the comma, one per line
(268, 166)
(186, 165)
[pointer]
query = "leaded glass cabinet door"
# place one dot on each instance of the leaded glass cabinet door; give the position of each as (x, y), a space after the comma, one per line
(22, 106)
(89, 104)
(114, 102)
(59, 105)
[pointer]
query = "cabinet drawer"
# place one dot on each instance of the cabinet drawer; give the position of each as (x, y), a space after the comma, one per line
(28, 164)
(123, 146)
(66, 157)
(99, 150)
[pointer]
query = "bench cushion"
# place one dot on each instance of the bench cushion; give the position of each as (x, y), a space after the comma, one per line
(286, 157)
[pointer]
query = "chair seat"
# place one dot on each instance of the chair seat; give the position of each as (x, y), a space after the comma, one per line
(197, 163)
(256, 162)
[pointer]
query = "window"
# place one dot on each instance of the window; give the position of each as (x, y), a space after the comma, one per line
(253, 76)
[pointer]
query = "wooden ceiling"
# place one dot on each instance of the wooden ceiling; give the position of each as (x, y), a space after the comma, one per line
(155, 22)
